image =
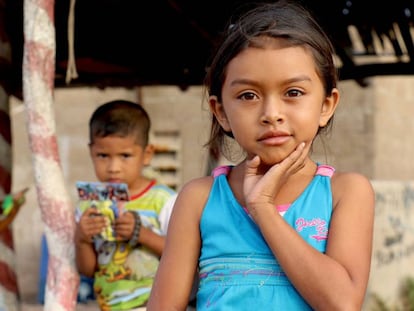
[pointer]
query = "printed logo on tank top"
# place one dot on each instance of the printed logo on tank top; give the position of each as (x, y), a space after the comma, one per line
(317, 228)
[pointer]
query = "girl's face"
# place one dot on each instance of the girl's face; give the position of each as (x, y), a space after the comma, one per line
(273, 99)
(120, 160)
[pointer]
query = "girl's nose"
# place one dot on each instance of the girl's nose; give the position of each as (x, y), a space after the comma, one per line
(272, 112)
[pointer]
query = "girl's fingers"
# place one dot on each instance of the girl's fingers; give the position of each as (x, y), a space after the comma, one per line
(292, 163)
(252, 166)
(295, 157)
(259, 187)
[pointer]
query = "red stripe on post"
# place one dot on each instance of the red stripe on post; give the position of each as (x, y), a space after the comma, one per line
(8, 278)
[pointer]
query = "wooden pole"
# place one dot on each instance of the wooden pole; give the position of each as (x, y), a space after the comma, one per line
(56, 208)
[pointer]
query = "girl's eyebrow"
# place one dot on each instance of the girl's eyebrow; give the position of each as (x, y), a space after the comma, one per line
(243, 81)
(300, 78)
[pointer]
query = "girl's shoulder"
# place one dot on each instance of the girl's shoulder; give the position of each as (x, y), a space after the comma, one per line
(345, 179)
(351, 184)
(204, 183)
(195, 192)
(198, 186)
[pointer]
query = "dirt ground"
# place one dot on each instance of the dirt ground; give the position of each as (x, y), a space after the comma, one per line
(90, 306)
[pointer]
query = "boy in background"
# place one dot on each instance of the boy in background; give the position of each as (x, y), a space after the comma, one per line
(124, 269)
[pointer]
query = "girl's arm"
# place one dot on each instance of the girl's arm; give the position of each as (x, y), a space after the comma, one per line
(175, 275)
(338, 279)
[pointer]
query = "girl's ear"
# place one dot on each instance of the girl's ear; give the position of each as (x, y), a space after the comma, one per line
(328, 107)
(218, 110)
(148, 154)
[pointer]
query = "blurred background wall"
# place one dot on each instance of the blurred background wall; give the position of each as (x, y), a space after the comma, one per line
(372, 134)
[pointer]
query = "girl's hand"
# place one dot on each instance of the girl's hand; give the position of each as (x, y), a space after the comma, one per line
(90, 224)
(260, 189)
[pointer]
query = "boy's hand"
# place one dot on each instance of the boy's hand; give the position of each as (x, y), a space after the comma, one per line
(124, 226)
(90, 224)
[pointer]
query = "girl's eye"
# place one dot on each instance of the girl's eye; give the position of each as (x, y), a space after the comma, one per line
(102, 155)
(294, 93)
(126, 155)
(248, 96)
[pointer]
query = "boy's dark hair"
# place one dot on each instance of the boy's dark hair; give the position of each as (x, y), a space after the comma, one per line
(120, 118)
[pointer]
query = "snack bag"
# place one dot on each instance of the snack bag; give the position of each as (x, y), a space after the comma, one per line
(107, 198)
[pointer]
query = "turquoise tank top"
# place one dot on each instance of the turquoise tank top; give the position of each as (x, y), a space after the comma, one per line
(237, 269)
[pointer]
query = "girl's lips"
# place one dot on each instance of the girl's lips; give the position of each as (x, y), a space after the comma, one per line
(274, 138)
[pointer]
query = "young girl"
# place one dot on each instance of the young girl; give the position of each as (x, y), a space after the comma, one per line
(276, 231)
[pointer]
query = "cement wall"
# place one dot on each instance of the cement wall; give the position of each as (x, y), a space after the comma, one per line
(371, 134)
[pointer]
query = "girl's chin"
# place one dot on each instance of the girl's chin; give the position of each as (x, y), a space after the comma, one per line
(270, 160)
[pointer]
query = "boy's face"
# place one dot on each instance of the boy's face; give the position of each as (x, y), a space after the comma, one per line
(120, 160)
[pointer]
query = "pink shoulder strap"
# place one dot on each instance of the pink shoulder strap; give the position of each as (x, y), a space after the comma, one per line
(325, 170)
(220, 170)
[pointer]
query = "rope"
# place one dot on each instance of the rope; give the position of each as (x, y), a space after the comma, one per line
(71, 72)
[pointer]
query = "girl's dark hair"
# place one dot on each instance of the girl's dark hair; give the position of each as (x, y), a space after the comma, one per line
(120, 118)
(284, 19)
